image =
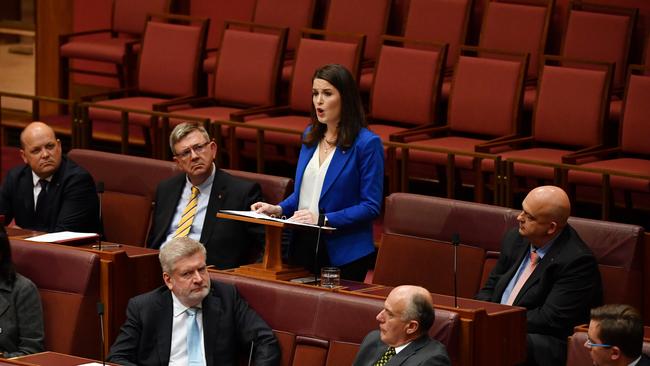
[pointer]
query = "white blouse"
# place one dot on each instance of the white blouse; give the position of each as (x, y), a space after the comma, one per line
(312, 181)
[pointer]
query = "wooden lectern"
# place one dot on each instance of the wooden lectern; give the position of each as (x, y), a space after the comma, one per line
(272, 266)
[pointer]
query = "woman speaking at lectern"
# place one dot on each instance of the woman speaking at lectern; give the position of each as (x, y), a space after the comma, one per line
(340, 175)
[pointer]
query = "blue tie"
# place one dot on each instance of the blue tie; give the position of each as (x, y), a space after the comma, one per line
(194, 354)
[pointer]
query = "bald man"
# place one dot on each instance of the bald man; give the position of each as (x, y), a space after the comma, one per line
(403, 335)
(545, 267)
(49, 193)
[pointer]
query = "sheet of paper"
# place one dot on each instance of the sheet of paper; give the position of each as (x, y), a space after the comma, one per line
(61, 237)
(256, 215)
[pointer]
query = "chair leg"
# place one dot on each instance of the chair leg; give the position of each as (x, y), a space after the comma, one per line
(607, 198)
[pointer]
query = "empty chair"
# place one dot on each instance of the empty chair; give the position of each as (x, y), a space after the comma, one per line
(294, 117)
(484, 106)
(113, 46)
(632, 155)
(168, 68)
(294, 14)
(368, 17)
(440, 21)
(218, 11)
(569, 114)
(248, 67)
(600, 33)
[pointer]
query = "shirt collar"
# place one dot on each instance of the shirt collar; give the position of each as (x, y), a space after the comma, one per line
(541, 252)
(207, 183)
(179, 308)
(36, 179)
(633, 363)
(400, 348)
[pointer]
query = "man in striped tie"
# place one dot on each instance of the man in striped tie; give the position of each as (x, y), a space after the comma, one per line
(545, 267)
(403, 335)
(187, 204)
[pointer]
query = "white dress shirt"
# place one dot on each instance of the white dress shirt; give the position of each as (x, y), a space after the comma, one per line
(312, 181)
(178, 352)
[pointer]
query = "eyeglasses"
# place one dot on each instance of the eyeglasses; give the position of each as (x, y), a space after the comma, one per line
(591, 344)
(198, 149)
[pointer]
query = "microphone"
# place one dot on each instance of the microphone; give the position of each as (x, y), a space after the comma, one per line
(250, 354)
(100, 193)
(455, 241)
(100, 312)
(320, 224)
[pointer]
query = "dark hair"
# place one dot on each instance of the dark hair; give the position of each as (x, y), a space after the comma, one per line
(352, 115)
(420, 309)
(620, 326)
(7, 270)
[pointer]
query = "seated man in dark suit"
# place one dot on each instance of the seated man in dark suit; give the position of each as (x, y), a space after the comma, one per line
(187, 204)
(191, 321)
(615, 337)
(403, 335)
(49, 193)
(545, 267)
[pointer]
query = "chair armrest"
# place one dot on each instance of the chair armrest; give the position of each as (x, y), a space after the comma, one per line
(66, 37)
(107, 95)
(515, 141)
(192, 101)
(429, 130)
(598, 151)
(272, 111)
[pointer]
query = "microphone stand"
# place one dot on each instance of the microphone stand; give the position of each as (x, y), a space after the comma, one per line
(321, 222)
(100, 312)
(455, 241)
(100, 193)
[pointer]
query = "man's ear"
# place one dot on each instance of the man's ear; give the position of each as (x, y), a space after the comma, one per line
(168, 280)
(552, 228)
(22, 155)
(616, 353)
(412, 327)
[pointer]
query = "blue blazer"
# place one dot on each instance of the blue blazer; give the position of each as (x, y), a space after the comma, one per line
(351, 196)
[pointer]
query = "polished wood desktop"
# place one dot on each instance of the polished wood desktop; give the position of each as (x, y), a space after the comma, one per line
(49, 359)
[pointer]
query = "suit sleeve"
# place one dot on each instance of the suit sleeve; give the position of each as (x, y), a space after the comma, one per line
(570, 295)
(30, 320)
(123, 351)
(79, 205)
(7, 190)
(252, 328)
(370, 161)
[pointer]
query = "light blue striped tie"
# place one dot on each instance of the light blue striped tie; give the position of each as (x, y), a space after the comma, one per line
(194, 354)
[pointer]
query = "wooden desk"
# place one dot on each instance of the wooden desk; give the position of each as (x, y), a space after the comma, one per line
(50, 359)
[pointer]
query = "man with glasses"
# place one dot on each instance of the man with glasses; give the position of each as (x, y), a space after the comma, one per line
(192, 320)
(545, 267)
(187, 204)
(615, 336)
(50, 192)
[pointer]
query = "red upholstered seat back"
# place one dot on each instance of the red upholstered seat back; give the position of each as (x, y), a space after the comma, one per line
(248, 67)
(441, 21)
(68, 282)
(570, 106)
(295, 14)
(486, 89)
(406, 85)
(218, 11)
(368, 17)
(517, 27)
(319, 327)
(130, 16)
(635, 127)
(170, 58)
(274, 188)
(129, 187)
(312, 54)
(599, 36)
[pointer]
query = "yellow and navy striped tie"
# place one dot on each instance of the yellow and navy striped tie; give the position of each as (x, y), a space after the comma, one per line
(189, 212)
(390, 352)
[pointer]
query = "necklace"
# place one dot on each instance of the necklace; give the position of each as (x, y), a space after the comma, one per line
(327, 145)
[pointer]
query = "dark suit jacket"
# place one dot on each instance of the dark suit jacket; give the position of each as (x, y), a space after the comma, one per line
(229, 243)
(422, 351)
(72, 202)
(559, 293)
(229, 326)
(644, 361)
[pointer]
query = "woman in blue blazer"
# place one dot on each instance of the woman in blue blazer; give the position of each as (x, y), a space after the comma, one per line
(340, 176)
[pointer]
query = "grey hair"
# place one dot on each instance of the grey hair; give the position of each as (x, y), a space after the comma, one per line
(184, 129)
(419, 308)
(178, 248)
